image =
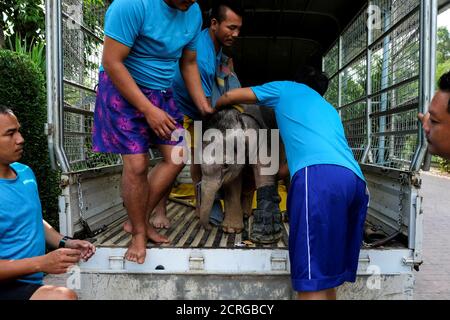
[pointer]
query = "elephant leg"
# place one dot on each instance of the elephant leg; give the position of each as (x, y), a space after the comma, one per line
(266, 226)
(248, 190)
(247, 203)
(233, 221)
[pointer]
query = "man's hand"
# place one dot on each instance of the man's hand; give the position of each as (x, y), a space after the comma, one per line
(114, 55)
(423, 117)
(207, 111)
(161, 122)
(222, 102)
(86, 248)
(59, 261)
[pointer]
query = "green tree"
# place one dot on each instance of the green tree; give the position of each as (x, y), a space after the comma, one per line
(24, 18)
(25, 94)
(443, 45)
(443, 52)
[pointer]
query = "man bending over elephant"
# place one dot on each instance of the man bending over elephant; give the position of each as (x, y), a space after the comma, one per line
(328, 197)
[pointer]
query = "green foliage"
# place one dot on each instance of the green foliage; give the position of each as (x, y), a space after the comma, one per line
(443, 52)
(444, 165)
(443, 45)
(23, 17)
(23, 89)
(34, 49)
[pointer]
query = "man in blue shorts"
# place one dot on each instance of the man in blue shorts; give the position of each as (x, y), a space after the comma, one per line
(23, 232)
(144, 40)
(328, 198)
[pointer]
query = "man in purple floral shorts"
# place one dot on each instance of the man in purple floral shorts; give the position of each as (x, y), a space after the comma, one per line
(144, 40)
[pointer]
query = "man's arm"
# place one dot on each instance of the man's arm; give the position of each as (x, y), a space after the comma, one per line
(52, 237)
(114, 54)
(236, 96)
(13, 269)
(191, 77)
(55, 262)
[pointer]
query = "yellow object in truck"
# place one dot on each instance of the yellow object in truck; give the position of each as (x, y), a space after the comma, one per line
(186, 192)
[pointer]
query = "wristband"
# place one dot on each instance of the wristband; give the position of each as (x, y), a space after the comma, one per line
(62, 242)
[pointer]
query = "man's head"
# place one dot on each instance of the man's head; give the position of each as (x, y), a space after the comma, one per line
(313, 78)
(226, 22)
(436, 123)
(182, 5)
(11, 141)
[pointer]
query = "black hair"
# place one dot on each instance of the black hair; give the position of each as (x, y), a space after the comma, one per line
(5, 110)
(313, 78)
(444, 85)
(219, 8)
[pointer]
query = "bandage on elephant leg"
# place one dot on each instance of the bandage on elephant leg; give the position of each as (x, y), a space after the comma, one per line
(267, 226)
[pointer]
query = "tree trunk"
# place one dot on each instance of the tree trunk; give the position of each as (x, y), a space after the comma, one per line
(2, 38)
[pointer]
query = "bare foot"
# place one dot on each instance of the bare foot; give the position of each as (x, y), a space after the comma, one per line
(155, 237)
(159, 221)
(137, 250)
(128, 227)
(152, 235)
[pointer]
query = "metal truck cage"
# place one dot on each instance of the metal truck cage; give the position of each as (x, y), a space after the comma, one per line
(382, 74)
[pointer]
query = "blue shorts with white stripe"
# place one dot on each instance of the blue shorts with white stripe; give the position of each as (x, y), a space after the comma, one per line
(327, 206)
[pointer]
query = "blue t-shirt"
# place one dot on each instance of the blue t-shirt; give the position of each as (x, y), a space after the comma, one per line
(156, 34)
(310, 127)
(207, 61)
(21, 227)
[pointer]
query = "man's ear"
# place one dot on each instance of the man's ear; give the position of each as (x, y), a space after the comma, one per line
(214, 24)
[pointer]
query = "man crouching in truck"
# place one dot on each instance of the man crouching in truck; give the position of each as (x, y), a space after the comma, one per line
(23, 232)
(328, 197)
(436, 122)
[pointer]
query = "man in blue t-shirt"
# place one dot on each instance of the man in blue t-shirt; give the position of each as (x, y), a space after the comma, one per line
(225, 26)
(23, 232)
(436, 122)
(328, 197)
(144, 41)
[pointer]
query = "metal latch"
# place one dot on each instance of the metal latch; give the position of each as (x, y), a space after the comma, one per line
(365, 259)
(363, 263)
(196, 261)
(410, 262)
(278, 261)
(117, 262)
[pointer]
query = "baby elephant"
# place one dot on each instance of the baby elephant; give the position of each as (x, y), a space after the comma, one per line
(232, 153)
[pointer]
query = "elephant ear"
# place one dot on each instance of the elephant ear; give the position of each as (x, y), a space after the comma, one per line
(265, 116)
(226, 79)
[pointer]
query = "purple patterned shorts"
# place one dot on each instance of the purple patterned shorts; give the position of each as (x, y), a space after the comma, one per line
(121, 128)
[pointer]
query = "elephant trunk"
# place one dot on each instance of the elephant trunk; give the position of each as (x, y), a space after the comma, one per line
(208, 192)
